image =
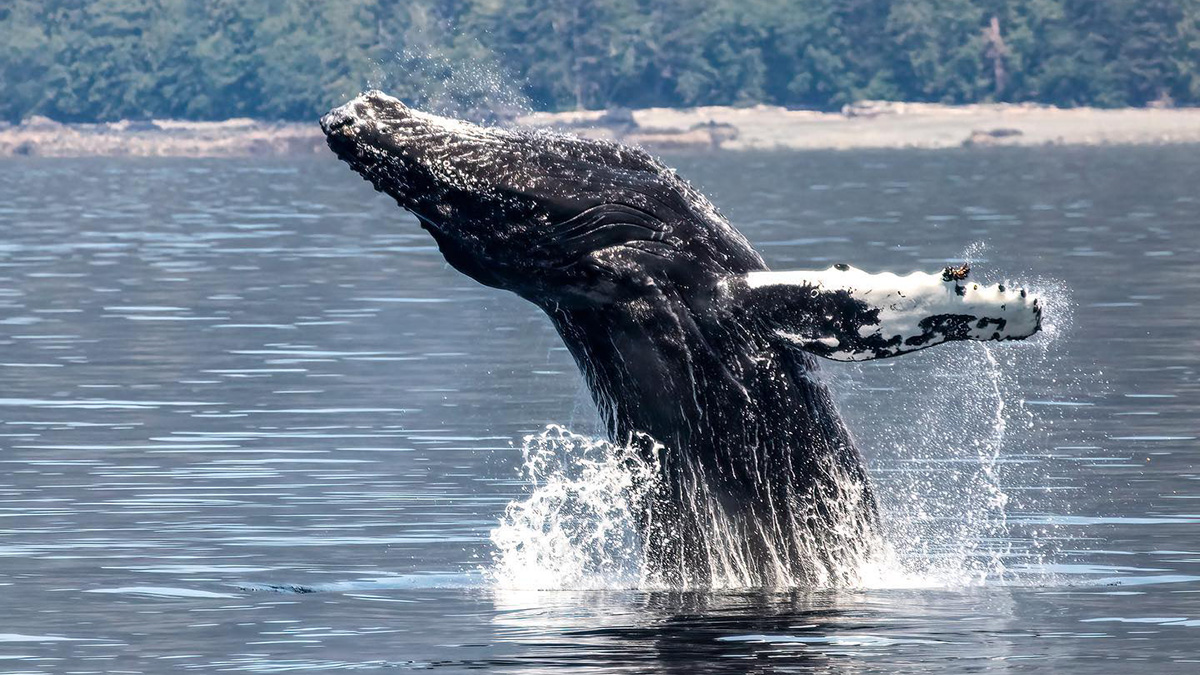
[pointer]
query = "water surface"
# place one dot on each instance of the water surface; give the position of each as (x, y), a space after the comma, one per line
(251, 422)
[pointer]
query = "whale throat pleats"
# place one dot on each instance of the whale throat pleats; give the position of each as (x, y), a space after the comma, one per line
(846, 314)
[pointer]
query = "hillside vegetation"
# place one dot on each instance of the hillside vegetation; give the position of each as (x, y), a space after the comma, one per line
(99, 60)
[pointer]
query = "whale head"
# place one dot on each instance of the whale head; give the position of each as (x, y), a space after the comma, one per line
(557, 219)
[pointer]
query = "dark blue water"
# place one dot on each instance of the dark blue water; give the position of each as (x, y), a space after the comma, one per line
(251, 422)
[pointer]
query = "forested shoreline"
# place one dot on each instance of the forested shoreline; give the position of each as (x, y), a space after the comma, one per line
(104, 60)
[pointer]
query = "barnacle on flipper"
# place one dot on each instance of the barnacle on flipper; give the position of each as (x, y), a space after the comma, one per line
(956, 273)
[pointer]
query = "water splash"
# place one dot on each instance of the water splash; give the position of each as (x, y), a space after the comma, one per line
(954, 448)
(475, 89)
(947, 433)
(576, 529)
(578, 526)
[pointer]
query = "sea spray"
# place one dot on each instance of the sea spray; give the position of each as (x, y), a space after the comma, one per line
(577, 527)
(942, 446)
(478, 89)
(949, 437)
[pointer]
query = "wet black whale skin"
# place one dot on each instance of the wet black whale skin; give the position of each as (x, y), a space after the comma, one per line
(633, 267)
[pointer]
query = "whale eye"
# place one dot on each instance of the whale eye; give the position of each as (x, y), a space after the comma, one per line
(841, 267)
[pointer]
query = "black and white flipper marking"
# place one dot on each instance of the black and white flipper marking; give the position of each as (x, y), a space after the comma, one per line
(846, 314)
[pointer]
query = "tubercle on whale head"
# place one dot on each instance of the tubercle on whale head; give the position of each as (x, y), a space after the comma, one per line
(552, 217)
(404, 153)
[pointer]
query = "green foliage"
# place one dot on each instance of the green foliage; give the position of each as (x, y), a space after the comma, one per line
(311, 52)
(88, 60)
(940, 43)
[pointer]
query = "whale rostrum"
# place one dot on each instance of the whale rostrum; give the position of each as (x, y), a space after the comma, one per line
(694, 351)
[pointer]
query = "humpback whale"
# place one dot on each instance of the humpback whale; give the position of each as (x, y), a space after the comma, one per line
(682, 333)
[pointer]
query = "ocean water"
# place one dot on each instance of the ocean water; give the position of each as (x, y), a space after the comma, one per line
(250, 421)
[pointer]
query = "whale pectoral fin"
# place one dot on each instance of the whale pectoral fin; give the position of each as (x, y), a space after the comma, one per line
(846, 314)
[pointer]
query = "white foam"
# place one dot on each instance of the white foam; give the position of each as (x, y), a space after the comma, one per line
(576, 528)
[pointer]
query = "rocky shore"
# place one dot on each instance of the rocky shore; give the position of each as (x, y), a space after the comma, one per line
(876, 124)
(870, 124)
(42, 137)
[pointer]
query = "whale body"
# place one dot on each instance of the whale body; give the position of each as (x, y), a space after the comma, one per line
(682, 333)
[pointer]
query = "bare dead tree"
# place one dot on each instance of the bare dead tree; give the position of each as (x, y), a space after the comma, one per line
(997, 51)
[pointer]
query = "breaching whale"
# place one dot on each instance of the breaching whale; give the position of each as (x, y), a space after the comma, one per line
(681, 332)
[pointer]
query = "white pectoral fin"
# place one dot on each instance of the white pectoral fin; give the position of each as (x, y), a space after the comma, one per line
(846, 314)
